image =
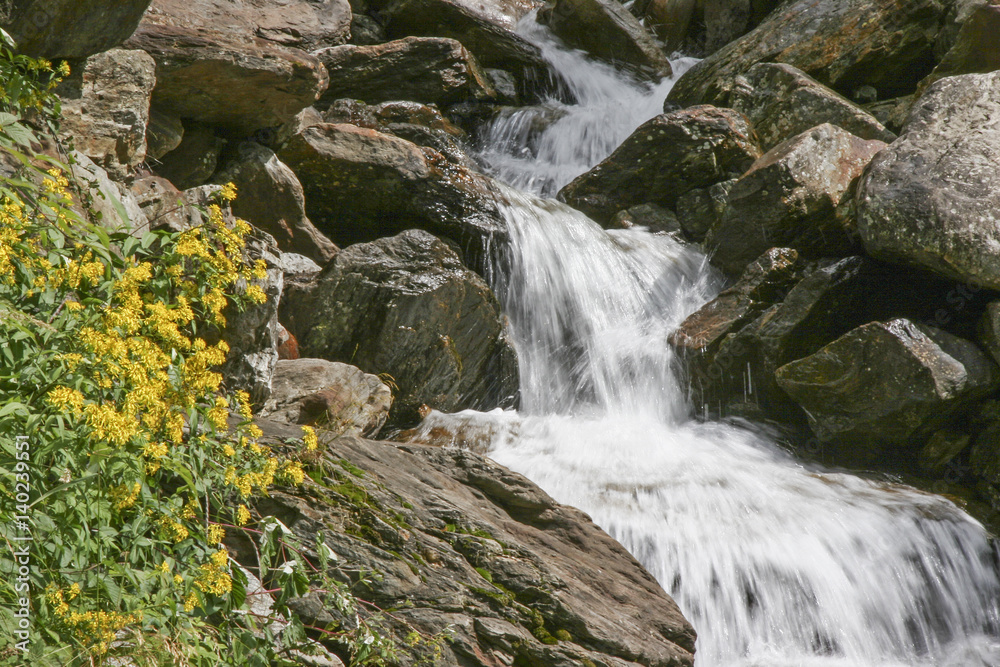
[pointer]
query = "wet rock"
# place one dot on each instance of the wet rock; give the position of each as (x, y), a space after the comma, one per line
(726, 20)
(883, 385)
(941, 449)
(976, 49)
(491, 41)
(270, 197)
(212, 68)
(698, 210)
(782, 101)
(164, 133)
(666, 157)
(70, 28)
(194, 161)
(932, 198)
(361, 184)
(985, 459)
(670, 20)
(654, 218)
(463, 543)
(431, 70)
(844, 44)
(607, 31)
(105, 108)
(407, 307)
(800, 194)
(338, 397)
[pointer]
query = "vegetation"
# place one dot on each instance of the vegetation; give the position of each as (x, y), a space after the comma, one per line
(120, 469)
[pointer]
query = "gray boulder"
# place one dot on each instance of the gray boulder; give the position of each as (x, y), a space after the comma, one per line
(302, 24)
(887, 385)
(270, 197)
(406, 307)
(105, 108)
(338, 397)
(164, 206)
(70, 28)
(384, 185)
(976, 48)
(666, 157)
(782, 101)
(932, 198)
(800, 194)
(431, 70)
(607, 31)
(844, 44)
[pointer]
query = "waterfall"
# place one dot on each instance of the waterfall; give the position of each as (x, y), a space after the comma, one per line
(776, 564)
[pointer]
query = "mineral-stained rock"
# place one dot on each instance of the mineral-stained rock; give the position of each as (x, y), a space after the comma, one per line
(361, 185)
(105, 108)
(800, 194)
(407, 307)
(666, 157)
(884, 384)
(194, 161)
(431, 70)
(698, 210)
(490, 41)
(782, 101)
(844, 44)
(462, 543)
(70, 28)
(270, 197)
(606, 30)
(212, 68)
(932, 198)
(337, 397)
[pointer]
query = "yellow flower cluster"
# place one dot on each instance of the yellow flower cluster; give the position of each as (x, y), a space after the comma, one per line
(66, 399)
(173, 530)
(96, 630)
(309, 438)
(214, 577)
(242, 515)
(124, 496)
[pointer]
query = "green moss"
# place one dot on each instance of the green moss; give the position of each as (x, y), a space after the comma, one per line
(587, 663)
(542, 635)
(563, 635)
(351, 468)
(495, 594)
(485, 574)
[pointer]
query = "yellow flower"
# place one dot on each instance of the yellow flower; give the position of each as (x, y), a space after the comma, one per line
(309, 438)
(74, 306)
(74, 590)
(178, 580)
(242, 515)
(256, 294)
(219, 414)
(228, 192)
(228, 450)
(107, 424)
(292, 470)
(164, 567)
(124, 496)
(64, 70)
(215, 533)
(191, 602)
(64, 398)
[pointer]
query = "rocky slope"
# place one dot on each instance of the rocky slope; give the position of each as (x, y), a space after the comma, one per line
(838, 160)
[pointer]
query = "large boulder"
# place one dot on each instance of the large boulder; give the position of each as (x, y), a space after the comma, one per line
(406, 307)
(606, 30)
(70, 28)
(105, 108)
(431, 70)
(932, 198)
(164, 206)
(338, 397)
(886, 385)
(668, 19)
(844, 44)
(302, 24)
(800, 194)
(212, 68)
(666, 157)
(469, 550)
(361, 184)
(493, 43)
(726, 20)
(782, 101)
(271, 199)
(976, 48)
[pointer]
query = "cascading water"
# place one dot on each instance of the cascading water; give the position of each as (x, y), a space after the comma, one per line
(776, 565)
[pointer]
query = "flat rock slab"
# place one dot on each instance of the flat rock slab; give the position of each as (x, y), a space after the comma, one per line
(884, 384)
(665, 158)
(800, 195)
(844, 44)
(932, 198)
(460, 542)
(71, 28)
(430, 70)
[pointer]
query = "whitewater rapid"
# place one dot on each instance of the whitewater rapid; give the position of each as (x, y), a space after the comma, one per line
(775, 564)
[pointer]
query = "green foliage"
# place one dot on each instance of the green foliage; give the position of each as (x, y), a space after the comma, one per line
(117, 457)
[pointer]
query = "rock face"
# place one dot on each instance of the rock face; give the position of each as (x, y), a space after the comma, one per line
(884, 384)
(844, 44)
(163, 205)
(726, 20)
(976, 49)
(302, 24)
(606, 30)
(932, 199)
(464, 543)
(271, 199)
(406, 306)
(668, 19)
(339, 398)
(782, 101)
(430, 70)
(195, 159)
(800, 194)
(211, 67)
(105, 108)
(70, 28)
(666, 157)
(383, 185)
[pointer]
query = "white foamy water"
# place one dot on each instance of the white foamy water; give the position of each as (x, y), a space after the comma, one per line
(775, 564)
